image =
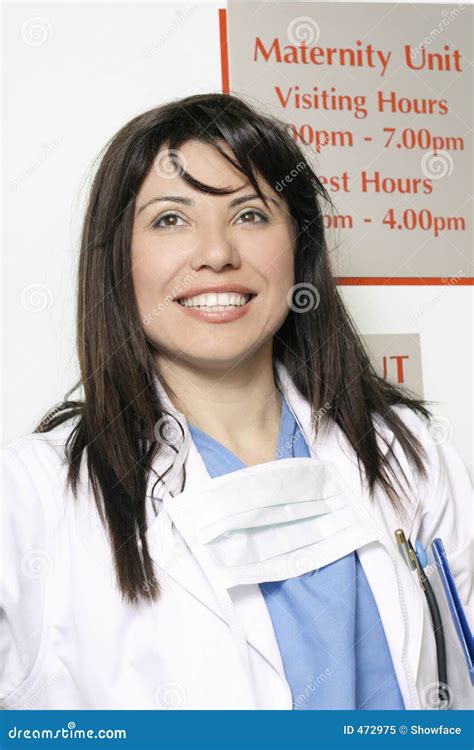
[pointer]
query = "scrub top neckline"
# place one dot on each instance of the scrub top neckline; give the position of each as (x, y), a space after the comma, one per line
(284, 436)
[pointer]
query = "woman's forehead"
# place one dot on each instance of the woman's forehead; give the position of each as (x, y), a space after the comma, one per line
(204, 163)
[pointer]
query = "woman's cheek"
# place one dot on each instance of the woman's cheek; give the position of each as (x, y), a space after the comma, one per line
(148, 271)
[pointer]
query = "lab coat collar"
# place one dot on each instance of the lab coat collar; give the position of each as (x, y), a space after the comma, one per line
(332, 435)
(173, 557)
(301, 410)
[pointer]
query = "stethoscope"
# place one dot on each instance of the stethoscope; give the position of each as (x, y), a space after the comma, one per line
(412, 558)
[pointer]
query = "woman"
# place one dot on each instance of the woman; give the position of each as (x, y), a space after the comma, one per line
(212, 525)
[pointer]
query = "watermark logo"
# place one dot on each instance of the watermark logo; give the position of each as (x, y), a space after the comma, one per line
(36, 563)
(170, 695)
(437, 695)
(36, 31)
(437, 164)
(303, 297)
(440, 430)
(303, 29)
(36, 298)
(302, 562)
(169, 164)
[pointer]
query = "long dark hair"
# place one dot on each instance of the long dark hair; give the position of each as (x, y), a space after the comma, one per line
(321, 349)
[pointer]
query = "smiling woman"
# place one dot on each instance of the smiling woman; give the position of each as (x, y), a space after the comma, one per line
(242, 244)
(233, 440)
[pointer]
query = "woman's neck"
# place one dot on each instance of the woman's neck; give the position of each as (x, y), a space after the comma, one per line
(239, 407)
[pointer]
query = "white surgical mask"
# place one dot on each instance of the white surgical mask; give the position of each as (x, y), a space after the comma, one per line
(272, 521)
(268, 522)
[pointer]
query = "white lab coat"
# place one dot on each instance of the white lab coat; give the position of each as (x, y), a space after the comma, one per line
(69, 641)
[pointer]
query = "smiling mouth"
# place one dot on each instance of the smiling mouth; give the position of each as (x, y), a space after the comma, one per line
(217, 307)
(216, 302)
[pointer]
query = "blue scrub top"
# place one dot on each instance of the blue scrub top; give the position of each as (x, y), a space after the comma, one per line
(326, 622)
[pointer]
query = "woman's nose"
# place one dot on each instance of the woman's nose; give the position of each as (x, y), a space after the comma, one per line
(216, 249)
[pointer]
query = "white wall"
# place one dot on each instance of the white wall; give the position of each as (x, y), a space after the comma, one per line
(442, 315)
(97, 66)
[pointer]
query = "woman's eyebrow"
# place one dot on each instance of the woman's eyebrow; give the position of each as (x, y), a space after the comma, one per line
(191, 202)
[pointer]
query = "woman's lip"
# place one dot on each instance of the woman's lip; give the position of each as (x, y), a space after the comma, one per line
(219, 316)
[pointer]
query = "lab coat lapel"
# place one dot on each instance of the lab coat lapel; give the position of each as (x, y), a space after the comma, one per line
(392, 584)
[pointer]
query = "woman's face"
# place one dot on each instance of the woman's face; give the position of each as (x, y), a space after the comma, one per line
(186, 243)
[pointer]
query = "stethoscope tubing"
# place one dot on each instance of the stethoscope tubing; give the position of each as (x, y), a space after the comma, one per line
(435, 614)
(412, 559)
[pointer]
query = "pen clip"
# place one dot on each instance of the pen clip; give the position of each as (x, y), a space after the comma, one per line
(419, 569)
(409, 555)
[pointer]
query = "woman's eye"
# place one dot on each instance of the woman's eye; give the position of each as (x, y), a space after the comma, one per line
(169, 221)
(159, 225)
(253, 212)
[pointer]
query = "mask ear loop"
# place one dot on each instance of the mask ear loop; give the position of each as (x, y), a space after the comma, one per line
(169, 481)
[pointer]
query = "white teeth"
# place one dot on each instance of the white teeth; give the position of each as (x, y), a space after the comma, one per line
(217, 301)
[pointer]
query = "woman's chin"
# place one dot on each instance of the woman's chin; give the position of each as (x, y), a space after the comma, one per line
(212, 359)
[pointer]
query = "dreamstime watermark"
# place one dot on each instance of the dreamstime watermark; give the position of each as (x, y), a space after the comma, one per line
(309, 152)
(166, 563)
(432, 567)
(303, 297)
(448, 17)
(69, 732)
(42, 689)
(36, 31)
(437, 695)
(36, 563)
(322, 411)
(169, 163)
(303, 29)
(440, 430)
(302, 561)
(447, 282)
(313, 684)
(169, 299)
(288, 178)
(288, 444)
(436, 164)
(49, 417)
(36, 298)
(180, 17)
(47, 150)
(170, 695)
